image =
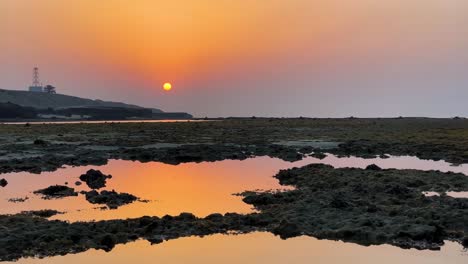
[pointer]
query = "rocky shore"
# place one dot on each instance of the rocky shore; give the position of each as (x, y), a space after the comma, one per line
(37, 148)
(365, 206)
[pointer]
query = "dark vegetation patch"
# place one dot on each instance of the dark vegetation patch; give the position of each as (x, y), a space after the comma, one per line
(95, 179)
(9, 110)
(56, 191)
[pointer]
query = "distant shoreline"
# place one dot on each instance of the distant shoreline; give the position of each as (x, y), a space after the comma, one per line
(83, 121)
(199, 119)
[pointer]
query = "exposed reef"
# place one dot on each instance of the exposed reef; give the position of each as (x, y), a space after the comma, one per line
(371, 206)
(29, 236)
(364, 206)
(288, 139)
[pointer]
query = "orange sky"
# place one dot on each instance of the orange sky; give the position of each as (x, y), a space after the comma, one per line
(124, 50)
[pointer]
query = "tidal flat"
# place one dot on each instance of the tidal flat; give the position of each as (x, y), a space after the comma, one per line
(303, 196)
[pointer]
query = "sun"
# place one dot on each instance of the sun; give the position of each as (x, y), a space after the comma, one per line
(167, 86)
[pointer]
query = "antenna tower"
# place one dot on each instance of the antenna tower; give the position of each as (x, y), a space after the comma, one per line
(36, 82)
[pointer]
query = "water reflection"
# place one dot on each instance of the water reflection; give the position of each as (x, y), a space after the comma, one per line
(258, 248)
(199, 188)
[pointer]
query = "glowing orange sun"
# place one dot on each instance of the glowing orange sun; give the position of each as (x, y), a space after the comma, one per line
(167, 86)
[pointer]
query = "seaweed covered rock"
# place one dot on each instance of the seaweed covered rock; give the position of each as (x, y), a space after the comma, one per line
(56, 191)
(30, 236)
(95, 179)
(112, 199)
(373, 167)
(367, 206)
(287, 230)
(46, 213)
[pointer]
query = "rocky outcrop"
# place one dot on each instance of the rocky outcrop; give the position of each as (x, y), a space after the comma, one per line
(95, 179)
(56, 191)
(112, 199)
(3, 182)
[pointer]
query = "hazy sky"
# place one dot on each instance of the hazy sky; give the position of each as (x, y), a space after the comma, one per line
(321, 58)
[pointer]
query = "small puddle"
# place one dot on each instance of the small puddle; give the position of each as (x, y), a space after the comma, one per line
(451, 194)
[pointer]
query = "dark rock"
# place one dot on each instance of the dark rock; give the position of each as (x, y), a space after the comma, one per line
(3, 183)
(339, 202)
(398, 190)
(318, 155)
(151, 227)
(156, 240)
(185, 217)
(95, 179)
(112, 199)
(373, 167)
(42, 213)
(372, 208)
(287, 230)
(18, 200)
(215, 217)
(56, 191)
(426, 233)
(258, 199)
(107, 243)
(465, 242)
(40, 142)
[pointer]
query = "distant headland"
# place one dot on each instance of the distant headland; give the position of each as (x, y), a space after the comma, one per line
(35, 105)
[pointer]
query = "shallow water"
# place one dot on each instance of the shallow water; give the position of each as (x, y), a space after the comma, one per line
(258, 248)
(202, 189)
(199, 188)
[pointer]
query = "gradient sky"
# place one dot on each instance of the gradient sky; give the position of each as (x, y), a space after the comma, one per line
(318, 58)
